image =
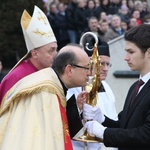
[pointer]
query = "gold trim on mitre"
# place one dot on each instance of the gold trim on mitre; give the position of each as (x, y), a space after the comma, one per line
(25, 19)
(37, 30)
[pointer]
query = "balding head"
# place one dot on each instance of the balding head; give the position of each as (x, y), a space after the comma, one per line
(69, 54)
(75, 48)
(72, 65)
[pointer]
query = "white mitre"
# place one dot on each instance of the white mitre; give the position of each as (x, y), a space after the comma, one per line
(37, 30)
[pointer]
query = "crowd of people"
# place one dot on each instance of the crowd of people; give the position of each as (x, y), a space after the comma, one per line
(36, 105)
(106, 18)
(54, 77)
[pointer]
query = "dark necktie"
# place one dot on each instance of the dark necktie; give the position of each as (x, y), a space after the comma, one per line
(136, 89)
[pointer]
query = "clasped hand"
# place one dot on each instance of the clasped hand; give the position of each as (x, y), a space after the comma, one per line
(92, 113)
(81, 99)
(94, 128)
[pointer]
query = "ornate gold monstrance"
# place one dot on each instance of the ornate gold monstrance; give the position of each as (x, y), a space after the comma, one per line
(93, 84)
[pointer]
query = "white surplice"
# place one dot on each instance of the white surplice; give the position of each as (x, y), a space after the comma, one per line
(106, 102)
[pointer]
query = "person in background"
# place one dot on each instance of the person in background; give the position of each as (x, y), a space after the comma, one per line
(80, 18)
(2, 75)
(146, 7)
(132, 130)
(130, 5)
(90, 9)
(124, 2)
(106, 98)
(51, 15)
(104, 27)
(93, 26)
(103, 16)
(124, 25)
(103, 7)
(70, 14)
(132, 23)
(115, 29)
(115, 6)
(124, 13)
(61, 26)
(146, 19)
(34, 112)
(41, 49)
(97, 2)
(109, 17)
(136, 14)
(140, 7)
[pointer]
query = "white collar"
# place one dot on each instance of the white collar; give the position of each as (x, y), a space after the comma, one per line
(145, 78)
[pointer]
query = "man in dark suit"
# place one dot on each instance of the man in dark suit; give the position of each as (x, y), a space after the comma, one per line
(132, 130)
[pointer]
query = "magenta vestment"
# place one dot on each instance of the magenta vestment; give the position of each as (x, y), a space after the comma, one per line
(23, 69)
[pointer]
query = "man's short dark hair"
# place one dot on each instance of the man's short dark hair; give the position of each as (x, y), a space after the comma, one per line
(62, 60)
(140, 36)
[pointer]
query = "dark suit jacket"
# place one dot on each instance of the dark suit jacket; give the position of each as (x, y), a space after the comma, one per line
(74, 119)
(132, 131)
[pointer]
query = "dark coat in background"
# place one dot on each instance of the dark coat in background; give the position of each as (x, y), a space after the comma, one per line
(61, 27)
